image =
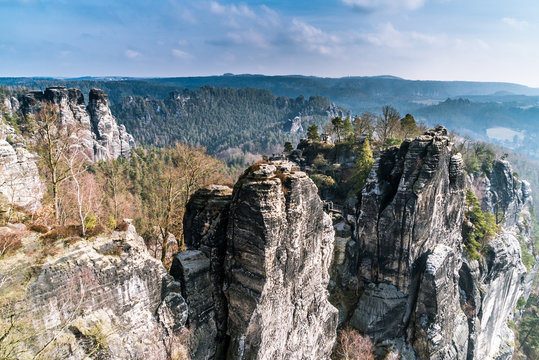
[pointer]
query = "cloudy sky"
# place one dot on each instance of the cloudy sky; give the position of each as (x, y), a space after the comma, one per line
(485, 40)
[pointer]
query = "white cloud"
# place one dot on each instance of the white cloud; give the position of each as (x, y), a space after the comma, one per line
(390, 37)
(236, 10)
(313, 38)
(132, 54)
(514, 23)
(384, 4)
(181, 54)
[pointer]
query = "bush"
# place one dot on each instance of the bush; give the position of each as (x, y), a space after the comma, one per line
(61, 232)
(351, 345)
(527, 259)
(42, 229)
(122, 226)
(9, 243)
(90, 222)
(478, 227)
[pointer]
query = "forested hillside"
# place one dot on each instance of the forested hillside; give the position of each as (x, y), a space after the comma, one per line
(232, 123)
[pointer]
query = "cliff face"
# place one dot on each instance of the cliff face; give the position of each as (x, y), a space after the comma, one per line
(106, 298)
(19, 176)
(501, 278)
(100, 136)
(408, 248)
(274, 242)
(406, 258)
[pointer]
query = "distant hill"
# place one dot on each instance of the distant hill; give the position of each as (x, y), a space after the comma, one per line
(508, 105)
(232, 123)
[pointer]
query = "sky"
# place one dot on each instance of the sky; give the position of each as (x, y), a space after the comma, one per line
(475, 40)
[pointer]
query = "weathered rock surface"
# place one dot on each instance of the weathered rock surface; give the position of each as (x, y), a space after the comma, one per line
(279, 249)
(109, 290)
(407, 261)
(19, 176)
(100, 136)
(205, 223)
(494, 286)
(273, 243)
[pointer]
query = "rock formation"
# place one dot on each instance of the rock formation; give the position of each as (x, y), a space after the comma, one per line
(100, 135)
(102, 299)
(275, 243)
(406, 259)
(19, 176)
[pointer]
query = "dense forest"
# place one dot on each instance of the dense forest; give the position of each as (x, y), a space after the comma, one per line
(232, 123)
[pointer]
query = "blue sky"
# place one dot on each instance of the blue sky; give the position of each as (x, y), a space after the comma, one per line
(482, 40)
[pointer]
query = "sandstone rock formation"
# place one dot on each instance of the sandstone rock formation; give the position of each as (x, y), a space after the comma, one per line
(106, 298)
(100, 136)
(19, 176)
(275, 243)
(407, 262)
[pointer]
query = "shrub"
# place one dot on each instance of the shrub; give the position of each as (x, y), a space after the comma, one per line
(527, 259)
(96, 230)
(111, 224)
(478, 227)
(90, 222)
(60, 232)
(351, 345)
(521, 302)
(122, 226)
(9, 243)
(39, 228)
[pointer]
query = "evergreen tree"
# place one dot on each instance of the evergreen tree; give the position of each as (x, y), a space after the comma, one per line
(408, 126)
(348, 130)
(288, 148)
(362, 166)
(312, 132)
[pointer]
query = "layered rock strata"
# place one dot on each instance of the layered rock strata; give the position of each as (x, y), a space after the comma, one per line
(19, 176)
(100, 134)
(407, 262)
(107, 298)
(277, 244)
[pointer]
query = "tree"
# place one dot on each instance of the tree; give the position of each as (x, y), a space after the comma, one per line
(348, 130)
(362, 166)
(408, 126)
(288, 148)
(54, 141)
(338, 129)
(312, 132)
(387, 125)
(364, 124)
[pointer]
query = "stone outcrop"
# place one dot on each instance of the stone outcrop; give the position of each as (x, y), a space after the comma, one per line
(406, 247)
(108, 291)
(274, 243)
(406, 259)
(493, 286)
(201, 271)
(19, 176)
(279, 249)
(100, 134)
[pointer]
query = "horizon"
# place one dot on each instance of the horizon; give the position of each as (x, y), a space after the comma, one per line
(445, 40)
(128, 78)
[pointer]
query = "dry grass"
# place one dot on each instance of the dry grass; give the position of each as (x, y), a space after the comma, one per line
(256, 165)
(10, 242)
(42, 229)
(60, 232)
(122, 226)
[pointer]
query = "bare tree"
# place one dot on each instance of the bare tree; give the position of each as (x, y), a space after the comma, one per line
(53, 143)
(387, 125)
(364, 124)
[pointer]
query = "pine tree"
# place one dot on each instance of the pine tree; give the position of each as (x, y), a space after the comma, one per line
(288, 148)
(312, 132)
(362, 166)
